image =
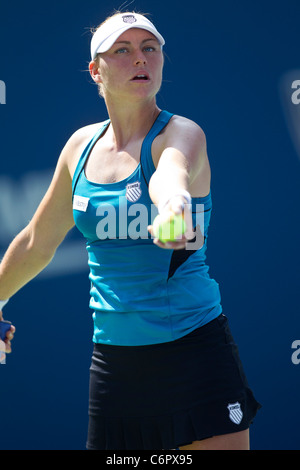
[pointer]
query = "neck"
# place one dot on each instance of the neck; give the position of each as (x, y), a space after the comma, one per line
(131, 122)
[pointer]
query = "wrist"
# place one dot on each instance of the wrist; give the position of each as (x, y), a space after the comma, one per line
(3, 303)
(185, 195)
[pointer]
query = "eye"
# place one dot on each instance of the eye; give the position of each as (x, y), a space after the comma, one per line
(122, 50)
(149, 49)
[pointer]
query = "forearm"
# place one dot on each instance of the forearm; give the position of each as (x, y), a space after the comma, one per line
(166, 182)
(169, 190)
(181, 162)
(21, 263)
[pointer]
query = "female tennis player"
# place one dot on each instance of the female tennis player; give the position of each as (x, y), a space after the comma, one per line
(165, 370)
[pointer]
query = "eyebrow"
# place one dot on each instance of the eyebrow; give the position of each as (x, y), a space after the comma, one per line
(128, 42)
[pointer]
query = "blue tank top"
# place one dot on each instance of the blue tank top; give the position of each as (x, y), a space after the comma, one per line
(140, 294)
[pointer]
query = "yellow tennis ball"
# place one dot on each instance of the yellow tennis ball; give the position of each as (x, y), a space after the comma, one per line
(167, 227)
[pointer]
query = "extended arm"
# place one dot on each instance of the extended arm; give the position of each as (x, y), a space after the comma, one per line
(182, 168)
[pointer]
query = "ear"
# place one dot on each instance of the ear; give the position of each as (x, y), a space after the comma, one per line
(95, 72)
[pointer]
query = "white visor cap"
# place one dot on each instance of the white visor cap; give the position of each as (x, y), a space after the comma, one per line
(108, 33)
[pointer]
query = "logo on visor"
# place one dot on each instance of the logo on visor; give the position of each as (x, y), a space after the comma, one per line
(129, 19)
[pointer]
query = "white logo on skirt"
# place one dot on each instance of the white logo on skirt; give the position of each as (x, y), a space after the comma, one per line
(235, 412)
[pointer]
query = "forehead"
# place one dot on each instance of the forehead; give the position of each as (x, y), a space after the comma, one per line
(136, 34)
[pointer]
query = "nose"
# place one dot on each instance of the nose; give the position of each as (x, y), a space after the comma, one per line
(140, 60)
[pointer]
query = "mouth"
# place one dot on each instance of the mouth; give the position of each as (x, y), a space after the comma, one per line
(141, 77)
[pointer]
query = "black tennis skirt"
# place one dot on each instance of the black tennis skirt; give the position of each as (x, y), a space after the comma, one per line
(167, 395)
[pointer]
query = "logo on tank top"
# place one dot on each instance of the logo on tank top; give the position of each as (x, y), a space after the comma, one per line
(235, 412)
(133, 191)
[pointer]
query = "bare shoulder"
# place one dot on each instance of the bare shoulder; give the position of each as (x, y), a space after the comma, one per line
(86, 132)
(181, 127)
(183, 142)
(184, 135)
(77, 143)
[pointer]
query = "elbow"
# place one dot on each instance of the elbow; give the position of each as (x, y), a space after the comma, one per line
(39, 247)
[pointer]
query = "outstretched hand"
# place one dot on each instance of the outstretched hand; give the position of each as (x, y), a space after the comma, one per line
(176, 206)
